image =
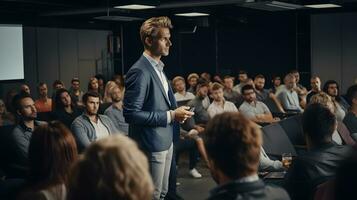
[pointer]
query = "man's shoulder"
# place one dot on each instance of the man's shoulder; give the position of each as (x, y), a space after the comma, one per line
(274, 193)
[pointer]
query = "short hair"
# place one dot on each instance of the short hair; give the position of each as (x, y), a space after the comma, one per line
(177, 78)
(58, 104)
(89, 94)
(242, 72)
(52, 151)
(314, 77)
(233, 143)
(111, 168)
(57, 82)
(41, 84)
(216, 86)
(17, 99)
(259, 76)
(75, 79)
(293, 71)
(323, 99)
(202, 83)
(289, 76)
(351, 93)
(150, 27)
(318, 123)
(193, 75)
(228, 77)
(246, 87)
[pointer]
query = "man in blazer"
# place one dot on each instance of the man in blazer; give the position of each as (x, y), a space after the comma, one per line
(150, 108)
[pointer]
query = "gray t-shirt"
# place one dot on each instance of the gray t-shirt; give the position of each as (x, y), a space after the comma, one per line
(250, 110)
(116, 115)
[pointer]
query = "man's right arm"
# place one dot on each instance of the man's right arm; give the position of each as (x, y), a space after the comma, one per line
(79, 133)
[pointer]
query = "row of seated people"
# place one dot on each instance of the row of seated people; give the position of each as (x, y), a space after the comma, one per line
(233, 144)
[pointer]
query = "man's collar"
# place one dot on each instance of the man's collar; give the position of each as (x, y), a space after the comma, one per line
(23, 126)
(159, 65)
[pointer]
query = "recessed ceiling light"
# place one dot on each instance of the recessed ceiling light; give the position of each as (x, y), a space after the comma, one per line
(192, 14)
(135, 7)
(328, 5)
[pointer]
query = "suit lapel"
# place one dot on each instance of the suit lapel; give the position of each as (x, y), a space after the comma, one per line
(157, 79)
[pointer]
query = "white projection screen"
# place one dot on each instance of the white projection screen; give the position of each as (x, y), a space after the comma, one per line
(11, 52)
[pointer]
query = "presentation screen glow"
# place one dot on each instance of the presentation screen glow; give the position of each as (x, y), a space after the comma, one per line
(11, 52)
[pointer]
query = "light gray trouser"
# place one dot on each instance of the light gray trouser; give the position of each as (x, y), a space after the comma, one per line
(160, 163)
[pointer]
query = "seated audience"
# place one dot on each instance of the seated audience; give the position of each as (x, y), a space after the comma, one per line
(219, 104)
(217, 79)
(93, 85)
(300, 89)
(192, 82)
(180, 87)
(325, 100)
(200, 103)
(25, 88)
(76, 92)
(43, 103)
(315, 84)
(101, 84)
(253, 109)
(228, 92)
(52, 152)
(119, 80)
(323, 157)
(206, 76)
(233, 145)
(108, 171)
(6, 118)
(350, 119)
(242, 78)
(64, 109)
(56, 85)
(115, 111)
(288, 96)
(332, 89)
(20, 138)
(108, 90)
(276, 84)
(91, 126)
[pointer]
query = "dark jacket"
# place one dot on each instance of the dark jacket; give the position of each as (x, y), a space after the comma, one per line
(256, 190)
(313, 168)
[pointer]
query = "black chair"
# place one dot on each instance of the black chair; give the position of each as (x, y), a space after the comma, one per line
(45, 116)
(276, 142)
(293, 129)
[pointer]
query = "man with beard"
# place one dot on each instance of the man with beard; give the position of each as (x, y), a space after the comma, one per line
(91, 126)
(26, 113)
(315, 83)
(115, 111)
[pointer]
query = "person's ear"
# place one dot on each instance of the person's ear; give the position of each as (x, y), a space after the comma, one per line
(148, 41)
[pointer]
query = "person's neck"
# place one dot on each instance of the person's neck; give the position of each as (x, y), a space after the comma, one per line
(153, 56)
(118, 105)
(68, 109)
(316, 90)
(30, 124)
(219, 102)
(183, 92)
(93, 118)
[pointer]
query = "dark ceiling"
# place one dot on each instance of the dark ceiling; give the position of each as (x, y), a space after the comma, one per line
(61, 12)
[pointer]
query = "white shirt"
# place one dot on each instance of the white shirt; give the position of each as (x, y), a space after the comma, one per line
(215, 109)
(158, 67)
(100, 130)
(187, 96)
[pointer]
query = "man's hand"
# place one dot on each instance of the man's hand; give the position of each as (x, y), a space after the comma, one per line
(182, 113)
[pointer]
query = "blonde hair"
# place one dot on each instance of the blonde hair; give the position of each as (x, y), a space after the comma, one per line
(111, 168)
(177, 78)
(323, 99)
(109, 87)
(150, 28)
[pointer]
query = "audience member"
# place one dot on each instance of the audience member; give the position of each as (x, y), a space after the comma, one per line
(93, 85)
(217, 79)
(108, 171)
(200, 103)
(52, 152)
(206, 76)
(300, 89)
(101, 84)
(180, 87)
(25, 88)
(253, 109)
(43, 103)
(228, 92)
(21, 134)
(65, 109)
(192, 82)
(315, 84)
(323, 157)
(108, 90)
(6, 118)
(56, 85)
(242, 77)
(341, 106)
(276, 81)
(288, 96)
(115, 111)
(119, 80)
(76, 92)
(91, 126)
(9, 100)
(350, 119)
(219, 104)
(233, 145)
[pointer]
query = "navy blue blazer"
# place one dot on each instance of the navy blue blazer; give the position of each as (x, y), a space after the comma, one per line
(145, 107)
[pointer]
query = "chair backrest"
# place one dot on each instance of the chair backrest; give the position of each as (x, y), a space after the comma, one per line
(345, 134)
(276, 142)
(293, 129)
(325, 191)
(271, 105)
